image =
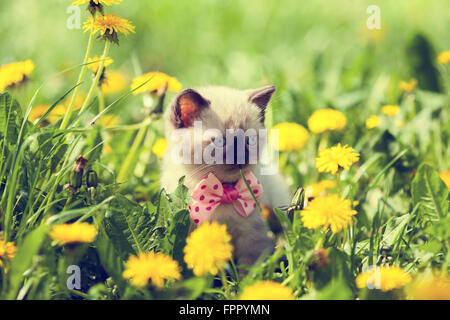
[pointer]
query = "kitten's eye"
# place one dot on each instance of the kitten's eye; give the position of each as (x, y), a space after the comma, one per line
(218, 141)
(252, 141)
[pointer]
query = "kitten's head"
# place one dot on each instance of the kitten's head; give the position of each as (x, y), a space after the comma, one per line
(230, 121)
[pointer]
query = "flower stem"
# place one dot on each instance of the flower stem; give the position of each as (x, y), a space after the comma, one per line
(101, 100)
(338, 182)
(96, 79)
(225, 283)
(132, 154)
(80, 78)
(323, 140)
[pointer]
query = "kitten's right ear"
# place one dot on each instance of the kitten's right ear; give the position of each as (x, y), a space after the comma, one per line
(187, 107)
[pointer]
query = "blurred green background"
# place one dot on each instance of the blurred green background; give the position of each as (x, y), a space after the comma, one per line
(321, 51)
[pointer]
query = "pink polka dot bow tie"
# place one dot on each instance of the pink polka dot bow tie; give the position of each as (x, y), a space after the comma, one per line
(210, 193)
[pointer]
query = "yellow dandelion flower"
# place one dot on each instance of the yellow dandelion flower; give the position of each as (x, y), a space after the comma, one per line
(15, 73)
(373, 122)
(445, 176)
(408, 86)
(430, 287)
(156, 267)
(114, 82)
(79, 100)
(444, 57)
(384, 278)
(38, 111)
(334, 158)
(159, 147)
(390, 110)
(267, 290)
(7, 250)
(327, 120)
(77, 232)
(153, 82)
(316, 189)
(109, 25)
(328, 211)
(54, 115)
(94, 63)
(291, 136)
(208, 248)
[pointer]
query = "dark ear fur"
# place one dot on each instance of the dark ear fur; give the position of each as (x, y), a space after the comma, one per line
(187, 106)
(261, 98)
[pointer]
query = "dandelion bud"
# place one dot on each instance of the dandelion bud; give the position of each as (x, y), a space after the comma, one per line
(80, 164)
(76, 179)
(92, 179)
(94, 7)
(92, 193)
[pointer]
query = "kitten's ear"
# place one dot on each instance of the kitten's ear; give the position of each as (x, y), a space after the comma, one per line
(187, 107)
(261, 98)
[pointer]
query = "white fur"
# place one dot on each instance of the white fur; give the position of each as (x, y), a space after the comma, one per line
(249, 235)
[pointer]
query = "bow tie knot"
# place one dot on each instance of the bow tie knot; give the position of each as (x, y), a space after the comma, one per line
(210, 193)
(230, 194)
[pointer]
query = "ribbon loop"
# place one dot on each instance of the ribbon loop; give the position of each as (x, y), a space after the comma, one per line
(210, 193)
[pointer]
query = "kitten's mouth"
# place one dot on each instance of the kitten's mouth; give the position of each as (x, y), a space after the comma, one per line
(234, 167)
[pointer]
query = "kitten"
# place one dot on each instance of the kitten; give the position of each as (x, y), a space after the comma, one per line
(224, 108)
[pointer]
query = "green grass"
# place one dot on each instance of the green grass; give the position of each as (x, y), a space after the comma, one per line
(318, 54)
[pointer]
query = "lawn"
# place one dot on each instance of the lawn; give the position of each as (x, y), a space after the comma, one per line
(82, 212)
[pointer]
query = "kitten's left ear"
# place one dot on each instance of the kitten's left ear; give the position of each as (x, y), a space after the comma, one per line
(261, 98)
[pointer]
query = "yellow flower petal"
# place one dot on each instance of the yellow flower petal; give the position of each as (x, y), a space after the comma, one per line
(114, 82)
(153, 81)
(159, 147)
(373, 122)
(444, 57)
(384, 278)
(430, 287)
(208, 248)
(156, 267)
(267, 290)
(291, 136)
(390, 110)
(328, 211)
(445, 176)
(108, 24)
(334, 158)
(77, 232)
(327, 120)
(93, 66)
(15, 73)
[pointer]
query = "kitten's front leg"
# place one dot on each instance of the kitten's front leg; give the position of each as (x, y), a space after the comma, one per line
(249, 235)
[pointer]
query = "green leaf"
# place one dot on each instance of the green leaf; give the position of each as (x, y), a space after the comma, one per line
(337, 268)
(394, 229)
(111, 262)
(430, 192)
(440, 229)
(94, 143)
(129, 226)
(10, 117)
(24, 258)
(335, 290)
